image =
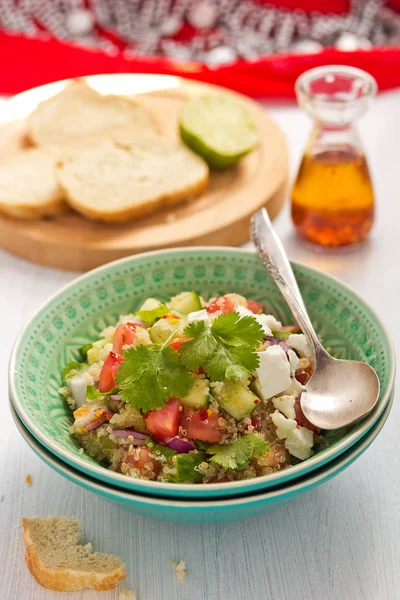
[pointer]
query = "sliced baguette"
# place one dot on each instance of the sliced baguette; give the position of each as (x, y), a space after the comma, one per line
(115, 181)
(79, 111)
(28, 186)
(58, 562)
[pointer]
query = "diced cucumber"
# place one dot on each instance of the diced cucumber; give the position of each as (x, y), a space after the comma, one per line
(151, 310)
(282, 334)
(198, 395)
(150, 304)
(237, 399)
(256, 387)
(186, 302)
(164, 328)
(159, 451)
(185, 465)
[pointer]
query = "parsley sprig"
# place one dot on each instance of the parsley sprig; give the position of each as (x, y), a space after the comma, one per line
(226, 349)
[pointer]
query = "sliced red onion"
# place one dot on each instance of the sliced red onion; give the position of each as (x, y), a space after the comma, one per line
(130, 432)
(116, 397)
(273, 341)
(181, 446)
(95, 424)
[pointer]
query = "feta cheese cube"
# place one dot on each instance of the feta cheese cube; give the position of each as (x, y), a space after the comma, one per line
(295, 386)
(284, 426)
(244, 312)
(273, 372)
(299, 442)
(78, 387)
(271, 322)
(199, 315)
(286, 405)
(299, 343)
(294, 362)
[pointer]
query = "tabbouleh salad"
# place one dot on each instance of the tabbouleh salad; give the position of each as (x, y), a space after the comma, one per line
(190, 391)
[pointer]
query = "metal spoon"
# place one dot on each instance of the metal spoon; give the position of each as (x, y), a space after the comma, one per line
(340, 392)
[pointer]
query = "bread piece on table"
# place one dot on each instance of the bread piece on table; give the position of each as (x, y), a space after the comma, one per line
(58, 562)
(28, 186)
(79, 111)
(116, 181)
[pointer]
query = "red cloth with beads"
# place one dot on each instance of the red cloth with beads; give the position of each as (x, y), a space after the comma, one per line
(32, 53)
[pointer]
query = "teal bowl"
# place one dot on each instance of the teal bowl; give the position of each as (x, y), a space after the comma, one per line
(216, 510)
(77, 314)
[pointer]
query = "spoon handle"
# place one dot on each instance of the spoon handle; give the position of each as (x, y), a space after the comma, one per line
(274, 258)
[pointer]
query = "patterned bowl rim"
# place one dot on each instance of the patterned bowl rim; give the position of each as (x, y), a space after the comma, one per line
(305, 483)
(296, 471)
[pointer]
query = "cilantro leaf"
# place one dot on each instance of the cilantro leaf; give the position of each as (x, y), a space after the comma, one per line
(92, 393)
(200, 348)
(226, 349)
(149, 375)
(84, 350)
(73, 368)
(150, 316)
(238, 454)
(260, 446)
(234, 362)
(235, 330)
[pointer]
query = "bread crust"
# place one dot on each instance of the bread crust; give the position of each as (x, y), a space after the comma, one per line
(44, 122)
(67, 580)
(134, 210)
(48, 195)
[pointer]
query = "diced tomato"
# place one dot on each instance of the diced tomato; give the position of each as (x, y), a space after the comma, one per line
(254, 306)
(302, 419)
(124, 335)
(291, 328)
(164, 422)
(216, 479)
(109, 371)
(177, 344)
(303, 375)
(195, 427)
(141, 457)
(223, 303)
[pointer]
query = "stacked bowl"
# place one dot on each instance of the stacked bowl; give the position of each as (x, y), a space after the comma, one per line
(80, 311)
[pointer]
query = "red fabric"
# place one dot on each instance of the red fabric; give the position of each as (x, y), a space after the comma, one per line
(26, 63)
(331, 7)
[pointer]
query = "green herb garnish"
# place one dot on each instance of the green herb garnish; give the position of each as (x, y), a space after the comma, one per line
(226, 349)
(238, 454)
(92, 393)
(84, 350)
(149, 375)
(73, 368)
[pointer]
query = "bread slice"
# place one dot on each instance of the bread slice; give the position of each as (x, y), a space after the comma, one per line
(118, 180)
(28, 186)
(79, 111)
(58, 562)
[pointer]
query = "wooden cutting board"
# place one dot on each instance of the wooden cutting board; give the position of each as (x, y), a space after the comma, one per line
(220, 216)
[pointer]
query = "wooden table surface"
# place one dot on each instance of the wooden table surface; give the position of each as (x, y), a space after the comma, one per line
(339, 542)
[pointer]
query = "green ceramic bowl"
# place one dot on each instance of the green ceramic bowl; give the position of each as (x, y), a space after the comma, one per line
(77, 314)
(207, 511)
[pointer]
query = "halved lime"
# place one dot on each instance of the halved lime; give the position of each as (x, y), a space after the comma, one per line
(218, 128)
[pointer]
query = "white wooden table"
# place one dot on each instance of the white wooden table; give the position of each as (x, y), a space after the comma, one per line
(340, 542)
